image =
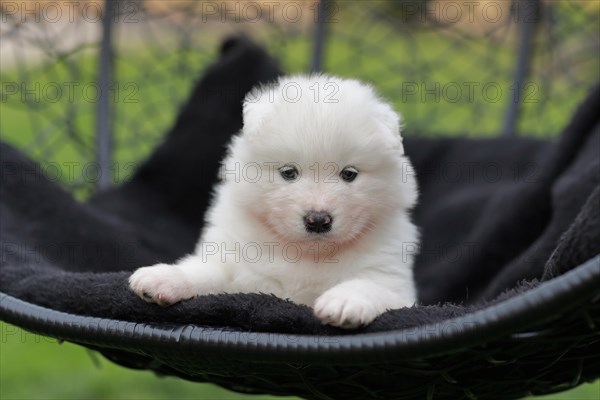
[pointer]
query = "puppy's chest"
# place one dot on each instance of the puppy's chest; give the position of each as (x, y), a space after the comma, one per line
(304, 285)
(303, 280)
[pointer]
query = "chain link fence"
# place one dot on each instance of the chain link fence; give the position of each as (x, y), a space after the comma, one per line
(89, 87)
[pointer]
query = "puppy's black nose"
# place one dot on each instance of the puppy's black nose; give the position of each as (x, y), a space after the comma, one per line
(318, 221)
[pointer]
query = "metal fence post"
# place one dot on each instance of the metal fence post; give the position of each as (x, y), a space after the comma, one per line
(103, 110)
(316, 64)
(527, 19)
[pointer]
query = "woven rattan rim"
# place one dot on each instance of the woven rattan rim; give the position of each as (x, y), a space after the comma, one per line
(513, 316)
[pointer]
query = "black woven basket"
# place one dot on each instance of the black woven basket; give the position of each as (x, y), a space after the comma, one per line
(544, 340)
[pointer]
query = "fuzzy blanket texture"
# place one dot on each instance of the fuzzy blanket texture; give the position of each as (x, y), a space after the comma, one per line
(497, 217)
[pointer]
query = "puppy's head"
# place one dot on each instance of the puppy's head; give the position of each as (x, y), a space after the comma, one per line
(320, 158)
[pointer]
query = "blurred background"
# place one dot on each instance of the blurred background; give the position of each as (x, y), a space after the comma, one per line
(89, 87)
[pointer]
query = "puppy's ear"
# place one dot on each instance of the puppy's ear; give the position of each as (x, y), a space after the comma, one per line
(256, 105)
(391, 123)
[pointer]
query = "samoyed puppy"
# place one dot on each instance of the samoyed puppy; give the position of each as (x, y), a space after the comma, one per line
(313, 206)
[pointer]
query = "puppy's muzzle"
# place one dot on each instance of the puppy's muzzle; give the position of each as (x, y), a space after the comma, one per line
(318, 222)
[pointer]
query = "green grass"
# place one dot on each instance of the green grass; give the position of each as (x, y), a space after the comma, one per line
(34, 367)
(590, 391)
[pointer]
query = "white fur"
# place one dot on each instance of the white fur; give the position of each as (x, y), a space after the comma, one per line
(254, 238)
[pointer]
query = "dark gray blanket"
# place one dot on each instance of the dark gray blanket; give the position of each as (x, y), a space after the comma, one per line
(497, 217)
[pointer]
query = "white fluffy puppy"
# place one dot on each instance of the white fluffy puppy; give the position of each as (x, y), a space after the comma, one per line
(313, 207)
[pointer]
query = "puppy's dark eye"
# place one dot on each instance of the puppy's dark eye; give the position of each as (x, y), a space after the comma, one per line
(289, 172)
(349, 174)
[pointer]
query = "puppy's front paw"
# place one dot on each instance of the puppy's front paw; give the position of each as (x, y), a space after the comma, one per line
(162, 284)
(344, 308)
